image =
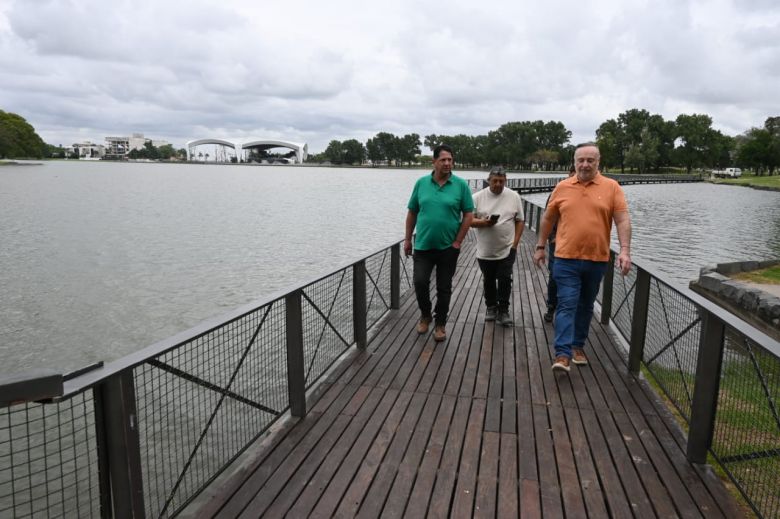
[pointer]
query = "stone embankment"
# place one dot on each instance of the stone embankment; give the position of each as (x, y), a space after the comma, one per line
(757, 304)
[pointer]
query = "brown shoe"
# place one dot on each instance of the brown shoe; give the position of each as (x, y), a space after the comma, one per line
(439, 333)
(578, 357)
(422, 325)
(561, 363)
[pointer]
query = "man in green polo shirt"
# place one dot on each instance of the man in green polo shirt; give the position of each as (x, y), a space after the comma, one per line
(441, 208)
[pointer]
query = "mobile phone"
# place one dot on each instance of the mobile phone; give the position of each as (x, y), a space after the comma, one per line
(494, 217)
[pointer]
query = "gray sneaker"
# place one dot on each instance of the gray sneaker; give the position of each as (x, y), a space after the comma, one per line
(490, 313)
(504, 319)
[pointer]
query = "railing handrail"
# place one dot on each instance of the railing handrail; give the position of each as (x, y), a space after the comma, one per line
(102, 372)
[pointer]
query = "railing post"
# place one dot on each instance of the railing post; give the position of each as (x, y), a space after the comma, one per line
(639, 323)
(121, 446)
(395, 276)
(296, 380)
(705, 391)
(359, 303)
(606, 289)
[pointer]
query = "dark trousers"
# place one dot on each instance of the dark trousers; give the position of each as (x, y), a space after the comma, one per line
(552, 288)
(445, 261)
(497, 280)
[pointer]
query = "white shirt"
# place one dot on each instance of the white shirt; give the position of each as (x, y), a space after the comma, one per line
(493, 243)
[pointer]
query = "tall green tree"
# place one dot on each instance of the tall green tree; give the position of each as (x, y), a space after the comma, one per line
(353, 151)
(18, 138)
(696, 140)
(334, 152)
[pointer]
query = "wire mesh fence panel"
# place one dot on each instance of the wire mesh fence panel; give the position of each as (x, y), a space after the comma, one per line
(48, 459)
(328, 329)
(623, 301)
(746, 439)
(672, 343)
(377, 286)
(201, 404)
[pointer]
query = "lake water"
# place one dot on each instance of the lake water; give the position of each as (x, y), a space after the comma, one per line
(101, 259)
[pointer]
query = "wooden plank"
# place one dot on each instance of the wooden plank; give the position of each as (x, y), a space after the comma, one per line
(507, 478)
(592, 493)
(291, 453)
(548, 470)
(276, 484)
(482, 380)
(487, 482)
(407, 469)
(287, 481)
(423, 484)
(383, 479)
(617, 501)
(568, 478)
(463, 500)
(530, 503)
(346, 455)
(526, 436)
(445, 481)
(359, 485)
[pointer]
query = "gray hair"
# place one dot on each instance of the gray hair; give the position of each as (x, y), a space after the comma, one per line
(496, 171)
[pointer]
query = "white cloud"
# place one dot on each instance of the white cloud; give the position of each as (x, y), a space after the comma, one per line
(315, 71)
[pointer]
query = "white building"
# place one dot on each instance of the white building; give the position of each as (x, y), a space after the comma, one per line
(89, 150)
(119, 147)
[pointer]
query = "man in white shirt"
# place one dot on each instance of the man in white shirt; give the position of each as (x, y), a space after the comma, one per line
(498, 220)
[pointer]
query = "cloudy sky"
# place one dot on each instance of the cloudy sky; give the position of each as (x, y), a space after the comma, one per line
(316, 70)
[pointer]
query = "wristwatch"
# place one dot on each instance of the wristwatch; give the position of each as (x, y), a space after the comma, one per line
(540, 247)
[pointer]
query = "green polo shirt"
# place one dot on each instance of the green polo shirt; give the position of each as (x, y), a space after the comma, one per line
(439, 210)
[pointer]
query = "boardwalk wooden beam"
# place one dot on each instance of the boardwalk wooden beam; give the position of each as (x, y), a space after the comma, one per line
(476, 426)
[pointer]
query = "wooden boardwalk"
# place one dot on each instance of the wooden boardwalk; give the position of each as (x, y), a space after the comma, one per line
(477, 426)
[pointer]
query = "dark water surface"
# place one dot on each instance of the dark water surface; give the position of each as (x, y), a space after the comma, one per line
(101, 259)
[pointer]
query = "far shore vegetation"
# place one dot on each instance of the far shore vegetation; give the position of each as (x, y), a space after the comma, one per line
(635, 141)
(750, 180)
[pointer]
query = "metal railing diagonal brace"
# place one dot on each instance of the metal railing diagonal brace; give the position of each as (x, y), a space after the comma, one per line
(217, 407)
(326, 322)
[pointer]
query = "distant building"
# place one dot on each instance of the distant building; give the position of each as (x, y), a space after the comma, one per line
(88, 150)
(119, 147)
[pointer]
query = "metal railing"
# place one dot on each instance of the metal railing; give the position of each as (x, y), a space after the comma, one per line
(142, 436)
(541, 184)
(720, 373)
(522, 185)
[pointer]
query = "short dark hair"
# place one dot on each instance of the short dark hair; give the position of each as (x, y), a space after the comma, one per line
(496, 171)
(442, 147)
(587, 145)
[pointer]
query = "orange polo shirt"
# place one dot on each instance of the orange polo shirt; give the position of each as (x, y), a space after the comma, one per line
(585, 214)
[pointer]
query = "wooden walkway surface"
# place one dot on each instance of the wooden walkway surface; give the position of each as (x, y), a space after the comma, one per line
(477, 426)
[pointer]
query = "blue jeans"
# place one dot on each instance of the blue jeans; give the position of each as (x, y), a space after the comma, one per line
(578, 285)
(552, 289)
(445, 261)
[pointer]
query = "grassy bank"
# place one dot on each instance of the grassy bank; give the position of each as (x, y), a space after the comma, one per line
(769, 276)
(745, 428)
(762, 182)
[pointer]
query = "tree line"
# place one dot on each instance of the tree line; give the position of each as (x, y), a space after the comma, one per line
(635, 140)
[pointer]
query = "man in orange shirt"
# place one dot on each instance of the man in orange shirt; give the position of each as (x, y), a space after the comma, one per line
(584, 207)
